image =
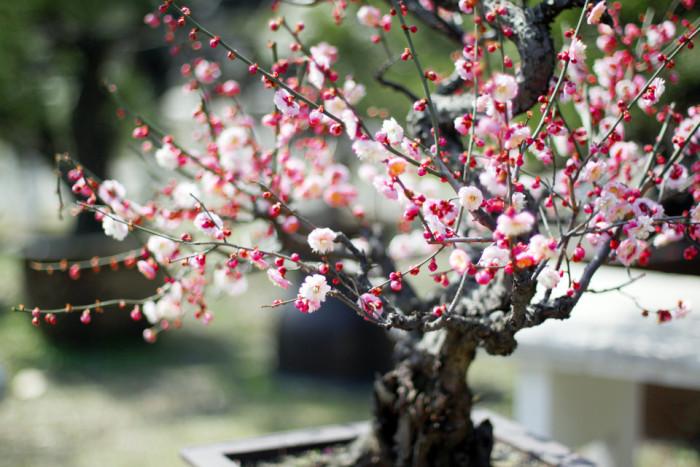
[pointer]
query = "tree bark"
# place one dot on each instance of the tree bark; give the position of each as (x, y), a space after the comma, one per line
(423, 405)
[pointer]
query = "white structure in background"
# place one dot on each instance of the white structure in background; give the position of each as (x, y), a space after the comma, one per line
(28, 193)
(580, 380)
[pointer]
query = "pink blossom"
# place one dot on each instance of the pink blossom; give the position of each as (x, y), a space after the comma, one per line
(285, 103)
(369, 16)
(462, 125)
(466, 6)
(625, 89)
(490, 179)
(640, 227)
(231, 88)
(596, 13)
(323, 55)
(542, 154)
(340, 195)
(629, 250)
(577, 51)
(371, 304)
(248, 166)
(626, 151)
(350, 122)
(465, 69)
(660, 34)
(207, 72)
(682, 132)
(517, 135)
(647, 207)
(483, 277)
(518, 201)
(667, 236)
(277, 279)
(654, 91)
(677, 177)
(695, 213)
(148, 269)
(335, 106)
(210, 223)
(683, 307)
(111, 192)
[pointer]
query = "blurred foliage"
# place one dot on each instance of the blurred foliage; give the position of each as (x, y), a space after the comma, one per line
(44, 48)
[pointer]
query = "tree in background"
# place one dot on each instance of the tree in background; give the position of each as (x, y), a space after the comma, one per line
(505, 173)
(57, 55)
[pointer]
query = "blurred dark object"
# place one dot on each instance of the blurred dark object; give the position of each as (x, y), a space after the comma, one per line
(57, 289)
(672, 413)
(332, 343)
(670, 259)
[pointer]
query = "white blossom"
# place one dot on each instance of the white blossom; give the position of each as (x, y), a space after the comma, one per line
(321, 240)
(314, 289)
(504, 87)
(470, 197)
(393, 131)
(548, 278)
(459, 261)
(515, 224)
(230, 281)
(115, 229)
(161, 248)
(167, 157)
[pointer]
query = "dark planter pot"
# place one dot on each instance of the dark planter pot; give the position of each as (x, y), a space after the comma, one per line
(56, 289)
(511, 436)
(332, 343)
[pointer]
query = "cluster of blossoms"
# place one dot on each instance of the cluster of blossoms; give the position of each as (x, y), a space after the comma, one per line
(529, 195)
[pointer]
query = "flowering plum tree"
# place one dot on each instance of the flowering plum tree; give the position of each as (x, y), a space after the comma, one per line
(504, 173)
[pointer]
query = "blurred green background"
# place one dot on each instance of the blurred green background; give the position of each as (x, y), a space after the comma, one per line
(128, 403)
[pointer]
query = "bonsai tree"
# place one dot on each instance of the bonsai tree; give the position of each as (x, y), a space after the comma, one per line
(504, 173)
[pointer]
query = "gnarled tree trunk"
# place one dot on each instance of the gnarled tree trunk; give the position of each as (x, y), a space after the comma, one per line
(423, 405)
